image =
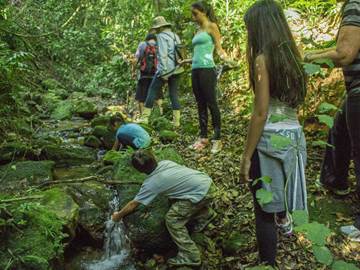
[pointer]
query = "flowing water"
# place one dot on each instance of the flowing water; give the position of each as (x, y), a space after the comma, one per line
(116, 248)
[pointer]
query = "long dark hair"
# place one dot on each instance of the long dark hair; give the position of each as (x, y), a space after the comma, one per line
(269, 34)
(207, 9)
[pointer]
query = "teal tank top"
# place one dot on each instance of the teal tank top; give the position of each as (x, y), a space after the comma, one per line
(203, 45)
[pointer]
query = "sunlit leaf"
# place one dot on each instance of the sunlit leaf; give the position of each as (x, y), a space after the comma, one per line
(325, 61)
(341, 265)
(265, 179)
(322, 143)
(315, 232)
(327, 107)
(322, 254)
(312, 69)
(274, 118)
(326, 119)
(279, 142)
(300, 217)
(263, 196)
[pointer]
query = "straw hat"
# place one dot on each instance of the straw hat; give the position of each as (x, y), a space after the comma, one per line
(160, 22)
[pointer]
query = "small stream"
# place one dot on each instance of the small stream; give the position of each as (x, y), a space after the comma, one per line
(116, 246)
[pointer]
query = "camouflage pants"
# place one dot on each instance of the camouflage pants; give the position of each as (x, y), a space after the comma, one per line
(179, 214)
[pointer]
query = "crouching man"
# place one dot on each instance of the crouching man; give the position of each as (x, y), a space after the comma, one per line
(190, 192)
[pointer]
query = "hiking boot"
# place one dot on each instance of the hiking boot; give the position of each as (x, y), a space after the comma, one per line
(176, 118)
(216, 146)
(182, 260)
(285, 228)
(337, 191)
(352, 233)
(201, 223)
(145, 116)
(200, 144)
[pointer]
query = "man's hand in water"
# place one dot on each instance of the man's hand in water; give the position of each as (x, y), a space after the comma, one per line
(116, 216)
(127, 209)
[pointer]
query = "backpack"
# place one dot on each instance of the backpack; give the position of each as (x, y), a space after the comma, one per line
(149, 61)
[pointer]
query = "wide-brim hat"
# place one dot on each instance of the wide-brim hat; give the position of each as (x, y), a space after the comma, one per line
(159, 22)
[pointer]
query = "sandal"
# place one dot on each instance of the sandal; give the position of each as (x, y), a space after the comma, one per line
(200, 144)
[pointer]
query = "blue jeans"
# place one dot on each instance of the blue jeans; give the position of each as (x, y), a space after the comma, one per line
(345, 137)
(156, 85)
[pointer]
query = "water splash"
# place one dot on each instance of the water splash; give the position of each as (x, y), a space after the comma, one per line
(117, 246)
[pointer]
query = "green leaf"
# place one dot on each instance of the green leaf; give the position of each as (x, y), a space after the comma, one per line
(312, 69)
(341, 265)
(326, 119)
(263, 196)
(315, 232)
(325, 61)
(279, 142)
(274, 118)
(265, 179)
(327, 107)
(322, 143)
(300, 217)
(322, 254)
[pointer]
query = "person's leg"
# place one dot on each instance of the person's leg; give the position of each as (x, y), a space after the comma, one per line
(200, 100)
(334, 170)
(353, 123)
(159, 100)
(209, 83)
(154, 87)
(141, 93)
(176, 218)
(266, 233)
(357, 222)
(173, 94)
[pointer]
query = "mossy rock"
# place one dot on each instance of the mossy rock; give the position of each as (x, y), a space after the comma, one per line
(106, 135)
(85, 109)
(11, 150)
(235, 242)
(161, 123)
(92, 141)
(63, 110)
(102, 120)
(68, 155)
(93, 199)
(21, 174)
(168, 136)
(39, 242)
(112, 157)
(63, 205)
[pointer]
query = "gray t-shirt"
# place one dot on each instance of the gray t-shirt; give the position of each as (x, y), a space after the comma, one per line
(175, 182)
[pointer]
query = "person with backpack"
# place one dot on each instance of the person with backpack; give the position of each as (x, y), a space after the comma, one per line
(278, 80)
(147, 61)
(168, 56)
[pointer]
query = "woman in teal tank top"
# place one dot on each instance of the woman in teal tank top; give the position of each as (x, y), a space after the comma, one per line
(205, 41)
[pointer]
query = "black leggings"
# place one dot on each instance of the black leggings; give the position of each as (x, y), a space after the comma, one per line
(266, 233)
(204, 88)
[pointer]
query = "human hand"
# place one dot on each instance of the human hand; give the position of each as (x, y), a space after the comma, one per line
(244, 170)
(115, 217)
(309, 56)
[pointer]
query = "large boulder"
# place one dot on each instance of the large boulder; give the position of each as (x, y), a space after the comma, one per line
(102, 120)
(93, 199)
(24, 173)
(63, 110)
(105, 134)
(85, 109)
(68, 155)
(146, 227)
(13, 150)
(92, 141)
(58, 201)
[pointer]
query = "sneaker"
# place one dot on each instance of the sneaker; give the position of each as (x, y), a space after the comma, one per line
(200, 144)
(182, 260)
(352, 233)
(216, 147)
(336, 191)
(202, 223)
(285, 228)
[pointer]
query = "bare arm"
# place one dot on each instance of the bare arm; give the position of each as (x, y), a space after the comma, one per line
(347, 48)
(215, 33)
(126, 210)
(116, 145)
(259, 115)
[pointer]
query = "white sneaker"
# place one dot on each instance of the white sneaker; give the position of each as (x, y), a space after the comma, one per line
(216, 146)
(352, 233)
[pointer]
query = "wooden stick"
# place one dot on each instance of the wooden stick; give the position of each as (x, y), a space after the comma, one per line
(34, 197)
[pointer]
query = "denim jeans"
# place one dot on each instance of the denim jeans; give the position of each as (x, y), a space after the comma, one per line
(156, 85)
(345, 139)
